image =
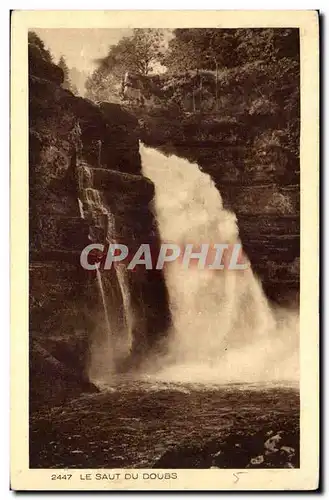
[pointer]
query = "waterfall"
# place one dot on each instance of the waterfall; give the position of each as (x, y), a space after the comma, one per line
(102, 294)
(112, 336)
(224, 328)
(121, 275)
(121, 272)
(82, 215)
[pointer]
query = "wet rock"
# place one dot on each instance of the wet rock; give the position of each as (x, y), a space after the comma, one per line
(271, 445)
(287, 449)
(257, 460)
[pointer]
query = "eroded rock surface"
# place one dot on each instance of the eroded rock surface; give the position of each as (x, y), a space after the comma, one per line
(69, 136)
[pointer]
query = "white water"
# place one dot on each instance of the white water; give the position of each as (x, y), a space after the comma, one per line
(224, 329)
(112, 336)
(80, 204)
(103, 298)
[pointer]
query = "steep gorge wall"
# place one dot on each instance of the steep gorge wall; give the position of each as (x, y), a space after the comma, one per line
(69, 135)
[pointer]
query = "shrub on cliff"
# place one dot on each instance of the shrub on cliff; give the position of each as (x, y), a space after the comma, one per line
(40, 60)
(37, 44)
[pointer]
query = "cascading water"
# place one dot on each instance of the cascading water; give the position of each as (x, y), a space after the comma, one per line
(224, 329)
(121, 272)
(101, 289)
(110, 342)
(82, 215)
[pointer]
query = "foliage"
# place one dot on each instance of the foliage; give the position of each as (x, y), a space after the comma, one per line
(35, 41)
(103, 86)
(267, 44)
(205, 48)
(137, 53)
(200, 48)
(250, 76)
(67, 82)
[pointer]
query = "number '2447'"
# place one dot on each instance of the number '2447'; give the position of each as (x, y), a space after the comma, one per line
(60, 476)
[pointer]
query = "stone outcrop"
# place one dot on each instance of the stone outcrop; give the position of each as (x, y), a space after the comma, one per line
(69, 135)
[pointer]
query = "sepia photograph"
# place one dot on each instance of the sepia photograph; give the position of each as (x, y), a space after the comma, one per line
(164, 249)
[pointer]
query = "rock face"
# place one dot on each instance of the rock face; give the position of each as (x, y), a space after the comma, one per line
(70, 139)
(258, 178)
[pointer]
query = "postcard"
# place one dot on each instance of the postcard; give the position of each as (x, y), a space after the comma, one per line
(165, 250)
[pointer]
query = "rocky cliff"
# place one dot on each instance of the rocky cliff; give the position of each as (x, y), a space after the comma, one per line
(85, 186)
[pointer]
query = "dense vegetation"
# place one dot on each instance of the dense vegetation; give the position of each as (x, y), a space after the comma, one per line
(248, 75)
(200, 64)
(200, 78)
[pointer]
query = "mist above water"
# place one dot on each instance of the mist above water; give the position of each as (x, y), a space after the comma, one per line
(224, 328)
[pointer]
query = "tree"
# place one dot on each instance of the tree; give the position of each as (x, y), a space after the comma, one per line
(67, 82)
(147, 47)
(183, 57)
(102, 85)
(35, 41)
(214, 50)
(266, 44)
(137, 53)
(201, 49)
